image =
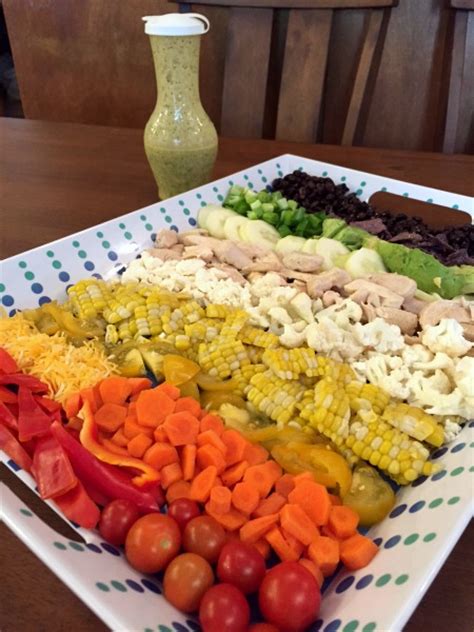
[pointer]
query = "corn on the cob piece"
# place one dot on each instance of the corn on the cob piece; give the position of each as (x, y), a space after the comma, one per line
(259, 338)
(222, 357)
(291, 363)
(394, 452)
(88, 298)
(255, 354)
(326, 408)
(415, 423)
(218, 311)
(277, 398)
(366, 397)
(243, 375)
(205, 330)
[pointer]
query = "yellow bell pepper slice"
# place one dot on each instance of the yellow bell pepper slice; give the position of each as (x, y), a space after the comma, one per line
(178, 370)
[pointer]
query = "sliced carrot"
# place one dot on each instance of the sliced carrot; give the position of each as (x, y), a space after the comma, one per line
(202, 484)
(160, 434)
(138, 384)
(297, 546)
(234, 473)
(357, 551)
(209, 455)
(218, 482)
(271, 504)
(180, 489)
(161, 454)
(113, 447)
(255, 454)
(211, 437)
(212, 422)
(285, 485)
(132, 429)
(72, 405)
(110, 417)
(303, 476)
(169, 389)
(314, 499)
(139, 445)
(313, 568)
(261, 477)
(231, 521)
(220, 499)
(170, 474)
(89, 395)
(120, 439)
(343, 521)
(325, 553)
(325, 530)
(188, 404)
(281, 547)
(263, 547)
(255, 529)
(335, 500)
(296, 521)
(245, 497)
(236, 445)
(153, 406)
(115, 390)
(274, 470)
(188, 461)
(182, 428)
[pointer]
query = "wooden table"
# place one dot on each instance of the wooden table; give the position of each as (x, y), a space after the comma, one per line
(56, 179)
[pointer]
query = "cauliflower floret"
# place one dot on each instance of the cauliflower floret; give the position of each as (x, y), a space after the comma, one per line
(379, 370)
(446, 337)
(464, 376)
(266, 284)
(416, 353)
(344, 314)
(292, 338)
(440, 361)
(379, 335)
(326, 337)
(280, 316)
(189, 267)
(450, 404)
(451, 430)
(424, 390)
(301, 306)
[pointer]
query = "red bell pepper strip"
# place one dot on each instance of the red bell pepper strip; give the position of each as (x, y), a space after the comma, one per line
(51, 468)
(10, 445)
(109, 481)
(28, 381)
(47, 404)
(7, 363)
(7, 418)
(88, 437)
(7, 396)
(32, 420)
(77, 506)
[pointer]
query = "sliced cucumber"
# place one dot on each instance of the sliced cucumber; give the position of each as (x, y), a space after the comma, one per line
(329, 250)
(216, 219)
(204, 214)
(259, 233)
(310, 246)
(363, 262)
(232, 227)
(290, 244)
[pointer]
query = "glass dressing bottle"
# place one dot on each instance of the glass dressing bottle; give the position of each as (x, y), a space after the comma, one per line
(180, 139)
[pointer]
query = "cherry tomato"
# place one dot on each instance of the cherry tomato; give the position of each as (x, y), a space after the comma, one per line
(204, 536)
(183, 510)
(263, 627)
(370, 496)
(289, 597)
(116, 519)
(241, 565)
(152, 542)
(224, 607)
(186, 579)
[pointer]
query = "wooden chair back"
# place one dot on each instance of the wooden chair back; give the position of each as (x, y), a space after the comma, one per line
(251, 56)
(462, 41)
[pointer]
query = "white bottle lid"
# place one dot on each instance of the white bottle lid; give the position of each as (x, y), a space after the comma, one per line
(176, 24)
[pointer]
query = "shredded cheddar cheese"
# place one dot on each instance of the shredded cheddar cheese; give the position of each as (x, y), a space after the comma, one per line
(53, 359)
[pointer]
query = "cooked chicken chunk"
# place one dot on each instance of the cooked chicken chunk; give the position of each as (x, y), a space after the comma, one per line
(320, 283)
(413, 305)
(164, 254)
(364, 291)
(302, 262)
(432, 313)
(228, 252)
(331, 298)
(269, 262)
(407, 321)
(198, 252)
(192, 238)
(397, 283)
(166, 238)
(232, 273)
(468, 330)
